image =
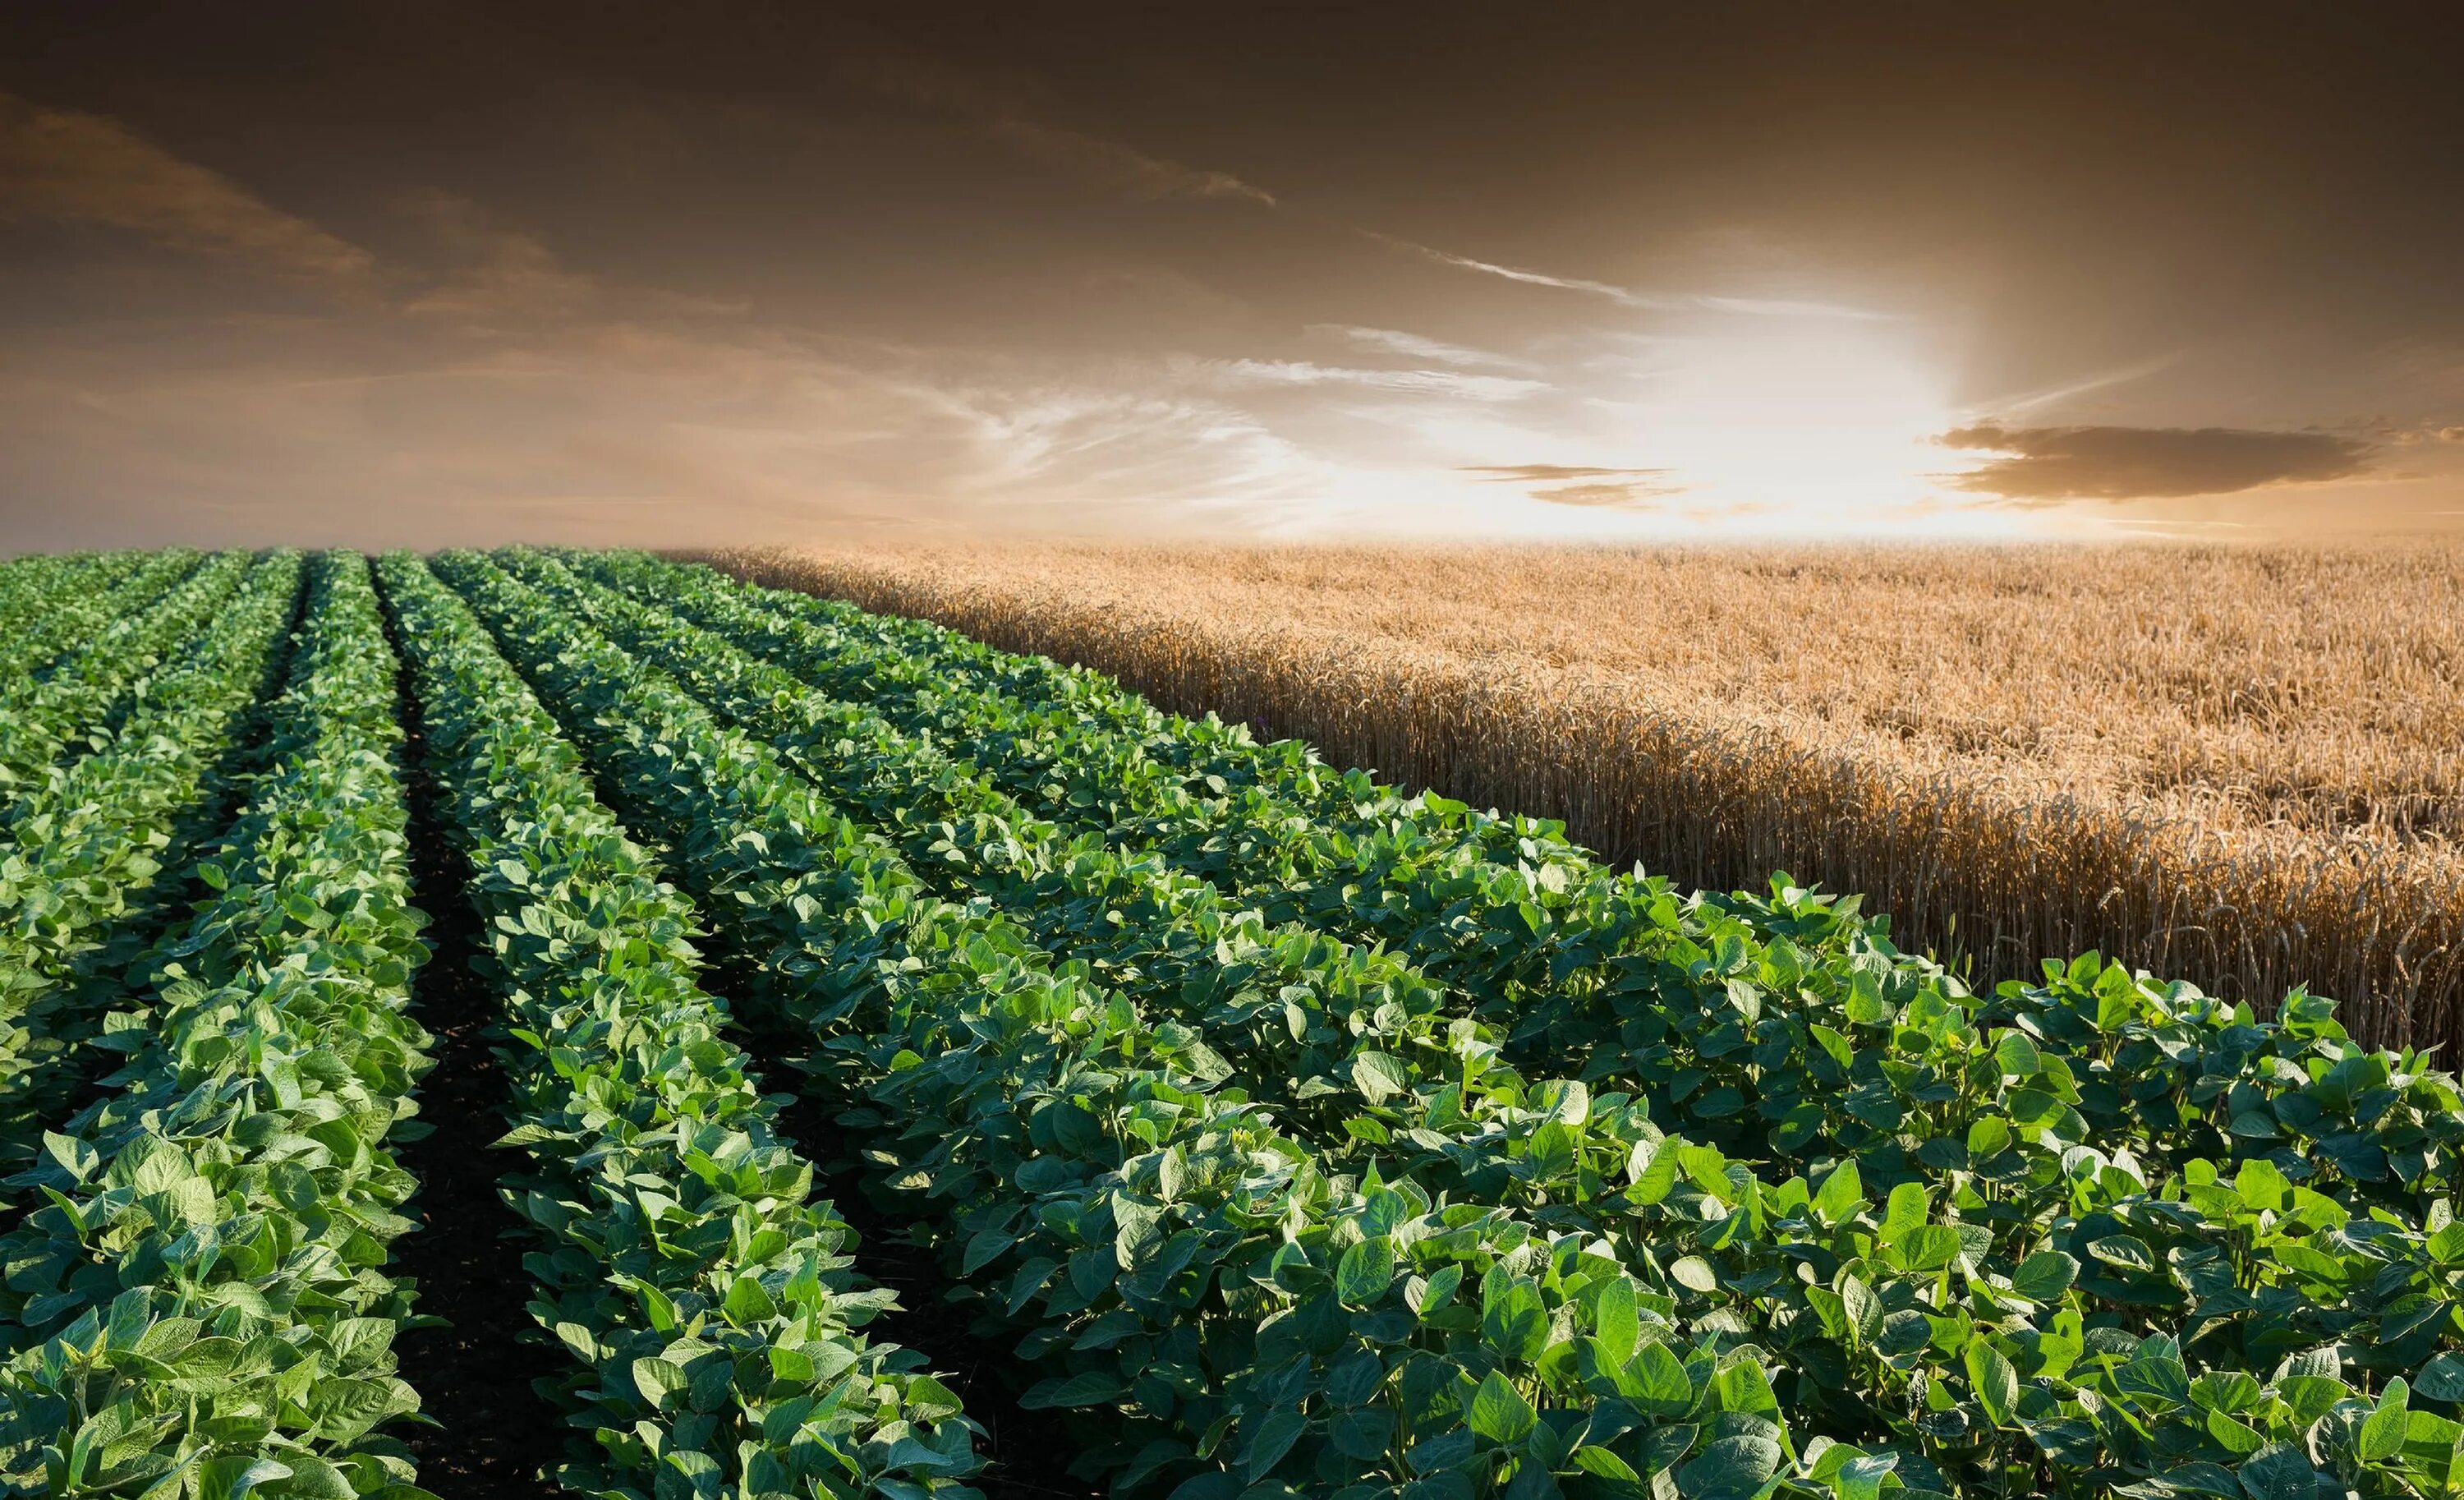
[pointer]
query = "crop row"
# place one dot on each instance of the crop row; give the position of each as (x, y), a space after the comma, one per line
(1234, 1307)
(702, 1292)
(79, 865)
(201, 1307)
(42, 716)
(2366, 1129)
(49, 606)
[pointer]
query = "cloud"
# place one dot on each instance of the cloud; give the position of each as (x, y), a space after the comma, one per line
(1413, 346)
(1608, 497)
(383, 430)
(2044, 464)
(1627, 296)
(2101, 381)
(1582, 484)
(1302, 372)
(69, 166)
(1010, 118)
(1529, 473)
(1019, 117)
(501, 274)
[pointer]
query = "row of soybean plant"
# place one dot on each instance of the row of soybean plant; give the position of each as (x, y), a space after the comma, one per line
(705, 1295)
(116, 761)
(200, 1307)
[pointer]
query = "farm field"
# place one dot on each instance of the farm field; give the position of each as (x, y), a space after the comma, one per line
(2239, 765)
(803, 1051)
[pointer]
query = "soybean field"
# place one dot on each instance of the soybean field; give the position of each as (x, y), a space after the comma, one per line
(571, 1021)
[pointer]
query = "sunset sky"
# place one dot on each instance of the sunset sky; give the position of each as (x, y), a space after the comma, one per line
(441, 272)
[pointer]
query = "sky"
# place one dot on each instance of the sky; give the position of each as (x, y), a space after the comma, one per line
(385, 273)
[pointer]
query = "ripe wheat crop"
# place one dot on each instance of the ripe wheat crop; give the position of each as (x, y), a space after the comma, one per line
(2241, 767)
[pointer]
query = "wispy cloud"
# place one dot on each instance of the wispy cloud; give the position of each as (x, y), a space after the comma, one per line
(498, 275)
(1410, 346)
(1530, 473)
(1015, 116)
(2103, 380)
(1017, 121)
(1629, 296)
(1303, 372)
(69, 167)
(1633, 495)
(1585, 485)
(2046, 464)
(1413, 346)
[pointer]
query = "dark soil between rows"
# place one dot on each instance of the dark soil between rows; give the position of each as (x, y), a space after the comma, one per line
(1027, 1454)
(497, 1436)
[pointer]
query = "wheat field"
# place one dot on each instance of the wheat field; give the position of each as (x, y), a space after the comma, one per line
(2243, 767)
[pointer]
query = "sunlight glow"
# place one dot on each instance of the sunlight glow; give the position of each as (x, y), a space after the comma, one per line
(1800, 427)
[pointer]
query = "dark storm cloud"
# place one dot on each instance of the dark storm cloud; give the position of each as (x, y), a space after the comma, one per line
(2045, 464)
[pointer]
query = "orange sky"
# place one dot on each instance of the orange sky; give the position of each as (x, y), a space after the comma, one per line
(390, 273)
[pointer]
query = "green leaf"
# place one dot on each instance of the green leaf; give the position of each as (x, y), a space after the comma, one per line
(2442, 1379)
(1735, 1466)
(2225, 1391)
(2128, 1251)
(1663, 1387)
(2044, 1276)
(1363, 1435)
(2234, 1435)
(657, 1379)
(1616, 1323)
(1604, 1465)
(1995, 1382)
(1274, 1438)
(2383, 1434)
(983, 1248)
(1841, 1194)
(1498, 1412)
(1862, 1477)
(2018, 1055)
(1652, 1170)
(1694, 1273)
(1364, 1272)
(1863, 1308)
(2282, 1471)
(1379, 1076)
(1929, 1247)
(230, 1477)
(1905, 1211)
(1515, 1324)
